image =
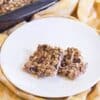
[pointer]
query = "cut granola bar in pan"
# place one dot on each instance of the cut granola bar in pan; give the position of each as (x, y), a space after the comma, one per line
(44, 62)
(72, 64)
(7, 6)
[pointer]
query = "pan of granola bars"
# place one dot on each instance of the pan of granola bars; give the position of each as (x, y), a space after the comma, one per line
(52, 57)
(14, 11)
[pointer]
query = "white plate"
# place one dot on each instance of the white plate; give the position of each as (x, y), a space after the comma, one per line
(54, 31)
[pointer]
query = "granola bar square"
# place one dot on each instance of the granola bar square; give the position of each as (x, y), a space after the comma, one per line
(44, 62)
(72, 64)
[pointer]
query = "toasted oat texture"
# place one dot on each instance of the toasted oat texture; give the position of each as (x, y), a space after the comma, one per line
(44, 62)
(10, 5)
(72, 64)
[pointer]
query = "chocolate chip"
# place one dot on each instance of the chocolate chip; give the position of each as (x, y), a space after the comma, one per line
(63, 64)
(76, 60)
(33, 69)
(55, 66)
(44, 47)
(53, 56)
(41, 60)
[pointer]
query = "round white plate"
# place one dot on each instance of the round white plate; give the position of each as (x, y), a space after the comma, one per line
(61, 32)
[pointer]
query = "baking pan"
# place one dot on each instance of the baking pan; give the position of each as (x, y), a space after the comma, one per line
(14, 17)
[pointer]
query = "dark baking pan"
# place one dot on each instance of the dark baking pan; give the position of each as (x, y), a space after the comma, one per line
(10, 19)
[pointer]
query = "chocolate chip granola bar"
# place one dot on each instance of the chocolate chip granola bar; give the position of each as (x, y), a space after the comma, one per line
(48, 61)
(44, 62)
(72, 64)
